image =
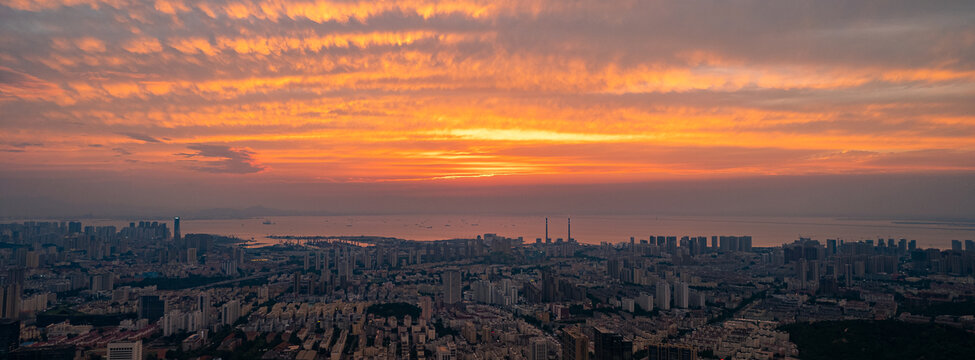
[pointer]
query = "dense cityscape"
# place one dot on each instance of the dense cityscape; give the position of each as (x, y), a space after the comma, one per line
(146, 291)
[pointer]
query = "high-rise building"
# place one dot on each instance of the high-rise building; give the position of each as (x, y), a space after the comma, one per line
(482, 291)
(191, 256)
(230, 312)
(426, 308)
(238, 257)
(33, 259)
(813, 274)
(645, 301)
(802, 273)
(613, 268)
(611, 346)
(451, 286)
(745, 243)
(296, 283)
(848, 274)
(151, 307)
(956, 245)
(663, 295)
(203, 305)
(550, 288)
(671, 245)
(176, 233)
(172, 322)
(575, 344)
(125, 350)
(102, 282)
(681, 295)
(10, 301)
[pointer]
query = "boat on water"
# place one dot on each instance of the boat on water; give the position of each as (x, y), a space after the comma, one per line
(267, 222)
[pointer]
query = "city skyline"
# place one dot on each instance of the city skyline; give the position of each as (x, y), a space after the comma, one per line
(141, 292)
(153, 108)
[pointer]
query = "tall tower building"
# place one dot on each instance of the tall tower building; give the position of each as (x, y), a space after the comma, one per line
(176, 234)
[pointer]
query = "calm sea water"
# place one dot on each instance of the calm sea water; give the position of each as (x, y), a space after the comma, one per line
(765, 231)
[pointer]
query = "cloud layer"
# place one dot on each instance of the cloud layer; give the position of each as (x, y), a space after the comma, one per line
(221, 159)
(417, 90)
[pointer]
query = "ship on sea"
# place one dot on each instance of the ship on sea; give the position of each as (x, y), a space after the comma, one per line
(267, 222)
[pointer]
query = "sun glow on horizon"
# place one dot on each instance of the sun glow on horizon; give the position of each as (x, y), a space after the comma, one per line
(490, 91)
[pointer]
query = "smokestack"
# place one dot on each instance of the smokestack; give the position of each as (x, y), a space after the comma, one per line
(569, 235)
(546, 230)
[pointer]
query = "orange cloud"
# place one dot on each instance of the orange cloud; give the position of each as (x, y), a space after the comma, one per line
(143, 45)
(171, 7)
(324, 11)
(194, 45)
(90, 44)
(16, 85)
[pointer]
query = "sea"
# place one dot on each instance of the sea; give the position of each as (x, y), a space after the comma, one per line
(592, 229)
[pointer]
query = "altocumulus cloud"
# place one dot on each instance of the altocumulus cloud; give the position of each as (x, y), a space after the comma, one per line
(222, 159)
(141, 137)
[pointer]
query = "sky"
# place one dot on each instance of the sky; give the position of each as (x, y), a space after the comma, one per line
(833, 108)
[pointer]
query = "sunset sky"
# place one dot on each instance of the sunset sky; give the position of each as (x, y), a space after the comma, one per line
(117, 105)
